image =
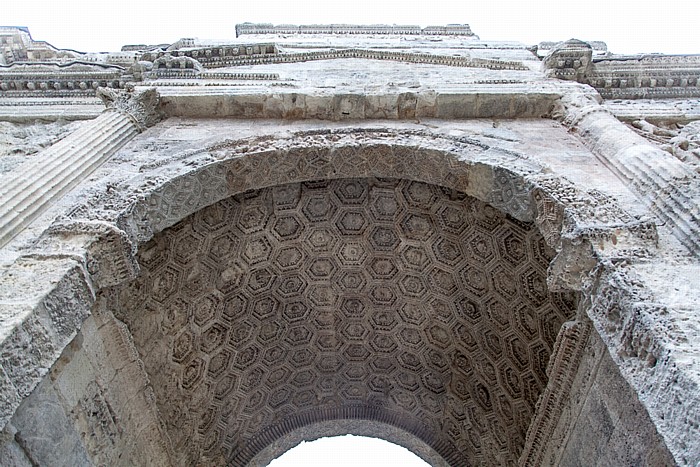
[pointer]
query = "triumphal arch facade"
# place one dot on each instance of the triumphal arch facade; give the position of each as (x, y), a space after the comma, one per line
(486, 252)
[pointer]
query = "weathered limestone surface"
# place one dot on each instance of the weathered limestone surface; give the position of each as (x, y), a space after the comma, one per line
(651, 76)
(401, 233)
(656, 111)
(17, 141)
(29, 188)
(602, 421)
(60, 168)
(670, 186)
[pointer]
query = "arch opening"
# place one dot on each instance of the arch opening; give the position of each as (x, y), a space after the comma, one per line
(381, 300)
(348, 450)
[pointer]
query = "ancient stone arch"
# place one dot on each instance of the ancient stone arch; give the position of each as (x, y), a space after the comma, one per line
(364, 246)
(348, 221)
(483, 292)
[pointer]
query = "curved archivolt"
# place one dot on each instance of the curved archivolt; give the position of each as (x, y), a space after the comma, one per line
(386, 300)
(392, 277)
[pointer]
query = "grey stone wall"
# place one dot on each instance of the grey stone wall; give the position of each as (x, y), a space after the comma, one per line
(608, 426)
(94, 407)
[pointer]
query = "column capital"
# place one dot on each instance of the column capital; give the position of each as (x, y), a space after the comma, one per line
(141, 106)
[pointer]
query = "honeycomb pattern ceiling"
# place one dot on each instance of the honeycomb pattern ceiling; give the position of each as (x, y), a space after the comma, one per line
(377, 299)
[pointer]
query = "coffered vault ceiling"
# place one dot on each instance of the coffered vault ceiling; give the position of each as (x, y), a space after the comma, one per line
(377, 299)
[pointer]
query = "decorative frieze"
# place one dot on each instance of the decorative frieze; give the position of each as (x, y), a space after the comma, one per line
(375, 29)
(562, 370)
(625, 77)
(570, 60)
(263, 54)
(410, 266)
(58, 80)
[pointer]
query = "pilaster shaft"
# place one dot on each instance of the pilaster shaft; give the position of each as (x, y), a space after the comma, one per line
(31, 189)
(670, 188)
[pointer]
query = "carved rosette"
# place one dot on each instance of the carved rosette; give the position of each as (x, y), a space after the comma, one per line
(140, 106)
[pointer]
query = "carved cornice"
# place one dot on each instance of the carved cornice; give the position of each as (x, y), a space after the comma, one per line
(189, 75)
(374, 29)
(226, 56)
(140, 106)
(626, 77)
(168, 61)
(570, 60)
(58, 80)
(562, 371)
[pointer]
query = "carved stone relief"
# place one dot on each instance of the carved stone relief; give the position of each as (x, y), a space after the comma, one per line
(140, 106)
(380, 299)
(415, 287)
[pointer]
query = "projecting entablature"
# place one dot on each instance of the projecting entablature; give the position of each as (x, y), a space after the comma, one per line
(648, 76)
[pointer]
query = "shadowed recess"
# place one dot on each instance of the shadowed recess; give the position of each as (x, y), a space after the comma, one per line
(383, 300)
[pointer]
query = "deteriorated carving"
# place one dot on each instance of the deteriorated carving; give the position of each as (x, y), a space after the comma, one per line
(683, 141)
(646, 76)
(140, 106)
(562, 370)
(403, 30)
(570, 60)
(18, 140)
(167, 61)
(667, 185)
(377, 299)
(290, 290)
(624, 77)
(263, 54)
(110, 256)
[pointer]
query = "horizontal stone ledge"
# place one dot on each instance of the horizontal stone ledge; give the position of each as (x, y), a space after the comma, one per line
(28, 114)
(30, 109)
(679, 111)
(486, 102)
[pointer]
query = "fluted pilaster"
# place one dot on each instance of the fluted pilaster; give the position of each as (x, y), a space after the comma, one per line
(28, 191)
(670, 188)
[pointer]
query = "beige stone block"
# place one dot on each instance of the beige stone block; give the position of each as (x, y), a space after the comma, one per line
(348, 107)
(72, 378)
(456, 106)
(490, 105)
(382, 106)
(45, 430)
(319, 107)
(426, 104)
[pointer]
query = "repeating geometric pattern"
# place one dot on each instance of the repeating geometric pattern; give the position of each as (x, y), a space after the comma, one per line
(380, 299)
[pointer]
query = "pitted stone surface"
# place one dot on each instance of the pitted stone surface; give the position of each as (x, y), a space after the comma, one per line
(19, 140)
(376, 299)
(306, 310)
